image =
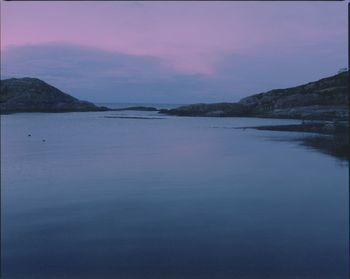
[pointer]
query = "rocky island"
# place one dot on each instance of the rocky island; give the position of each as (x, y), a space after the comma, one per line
(325, 99)
(34, 95)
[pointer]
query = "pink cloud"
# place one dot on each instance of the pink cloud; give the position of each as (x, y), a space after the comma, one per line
(192, 37)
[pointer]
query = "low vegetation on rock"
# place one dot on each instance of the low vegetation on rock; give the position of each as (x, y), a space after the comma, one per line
(35, 95)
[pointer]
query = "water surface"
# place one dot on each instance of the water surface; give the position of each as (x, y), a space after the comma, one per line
(176, 197)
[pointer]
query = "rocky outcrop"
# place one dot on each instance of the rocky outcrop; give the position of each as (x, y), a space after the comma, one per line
(35, 95)
(316, 112)
(323, 99)
(326, 136)
(331, 91)
(322, 127)
(218, 109)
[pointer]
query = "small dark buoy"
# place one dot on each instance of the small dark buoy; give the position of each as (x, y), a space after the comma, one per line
(44, 140)
(29, 135)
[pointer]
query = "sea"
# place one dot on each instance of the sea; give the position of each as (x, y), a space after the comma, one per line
(140, 195)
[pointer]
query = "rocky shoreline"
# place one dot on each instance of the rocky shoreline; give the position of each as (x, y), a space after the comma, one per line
(325, 127)
(331, 138)
(325, 99)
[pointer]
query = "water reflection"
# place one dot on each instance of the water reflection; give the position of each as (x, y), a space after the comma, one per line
(174, 198)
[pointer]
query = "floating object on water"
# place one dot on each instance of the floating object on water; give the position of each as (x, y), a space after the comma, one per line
(43, 140)
(29, 135)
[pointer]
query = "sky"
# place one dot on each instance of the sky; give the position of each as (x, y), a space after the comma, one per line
(172, 52)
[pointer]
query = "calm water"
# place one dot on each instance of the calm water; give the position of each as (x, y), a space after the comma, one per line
(167, 198)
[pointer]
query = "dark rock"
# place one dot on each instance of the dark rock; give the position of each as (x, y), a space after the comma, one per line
(323, 99)
(328, 137)
(335, 144)
(214, 110)
(34, 95)
(326, 99)
(134, 117)
(324, 127)
(165, 111)
(137, 108)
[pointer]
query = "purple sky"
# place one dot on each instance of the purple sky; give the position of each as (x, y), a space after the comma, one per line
(172, 51)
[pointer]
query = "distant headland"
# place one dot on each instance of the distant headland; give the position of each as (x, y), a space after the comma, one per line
(325, 99)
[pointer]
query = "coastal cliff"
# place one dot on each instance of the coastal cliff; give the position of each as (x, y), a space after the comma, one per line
(35, 95)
